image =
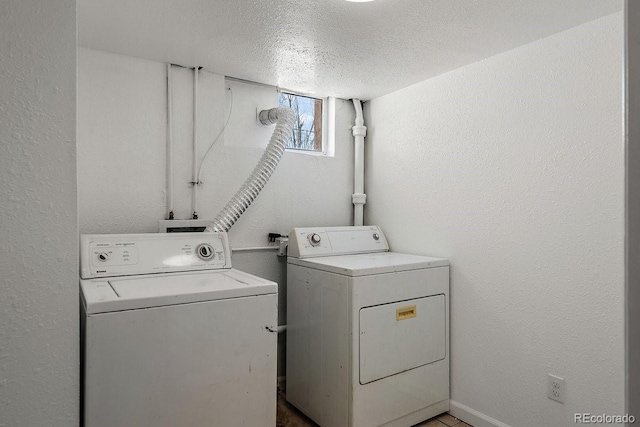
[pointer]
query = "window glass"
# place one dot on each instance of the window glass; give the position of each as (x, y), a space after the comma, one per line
(307, 130)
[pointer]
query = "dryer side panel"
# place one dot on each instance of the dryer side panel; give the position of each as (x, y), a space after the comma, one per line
(318, 344)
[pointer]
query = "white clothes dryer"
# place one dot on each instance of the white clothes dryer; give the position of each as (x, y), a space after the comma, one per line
(172, 335)
(367, 329)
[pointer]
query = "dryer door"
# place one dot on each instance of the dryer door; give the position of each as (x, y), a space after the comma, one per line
(400, 336)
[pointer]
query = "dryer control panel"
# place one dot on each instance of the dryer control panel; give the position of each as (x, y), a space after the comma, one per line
(327, 241)
(108, 255)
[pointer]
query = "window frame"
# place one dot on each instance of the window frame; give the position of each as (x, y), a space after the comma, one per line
(328, 126)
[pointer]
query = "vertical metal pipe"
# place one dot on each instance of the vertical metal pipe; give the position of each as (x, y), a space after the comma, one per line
(194, 163)
(169, 143)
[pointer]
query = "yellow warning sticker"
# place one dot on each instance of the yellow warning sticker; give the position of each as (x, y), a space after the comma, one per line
(404, 313)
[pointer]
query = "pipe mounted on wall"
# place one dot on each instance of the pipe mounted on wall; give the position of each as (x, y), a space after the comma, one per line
(358, 197)
(194, 162)
(170, 214)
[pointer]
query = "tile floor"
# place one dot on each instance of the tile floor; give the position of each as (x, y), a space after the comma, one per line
(289, 416)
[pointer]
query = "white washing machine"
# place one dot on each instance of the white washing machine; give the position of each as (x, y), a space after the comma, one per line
(367, 329)
(173, 336)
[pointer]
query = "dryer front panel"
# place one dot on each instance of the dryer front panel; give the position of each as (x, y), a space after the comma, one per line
(401, 336)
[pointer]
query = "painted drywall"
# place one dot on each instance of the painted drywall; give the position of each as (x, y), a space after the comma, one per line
(513, 168)
(122, 153)
(122, 148)
(39, 338)
(632, 105)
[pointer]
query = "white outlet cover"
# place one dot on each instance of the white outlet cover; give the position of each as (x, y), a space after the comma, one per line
(555, 388)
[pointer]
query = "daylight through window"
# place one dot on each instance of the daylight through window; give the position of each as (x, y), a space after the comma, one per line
(307, 130)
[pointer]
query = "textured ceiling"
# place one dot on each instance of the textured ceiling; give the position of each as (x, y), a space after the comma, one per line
(327, 47)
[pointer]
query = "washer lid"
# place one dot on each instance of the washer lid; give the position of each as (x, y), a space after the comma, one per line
(102, 296)
(367, 264)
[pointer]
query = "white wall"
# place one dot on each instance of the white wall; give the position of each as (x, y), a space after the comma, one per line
(513, 168)
(122, 149)
(39, 356)
(632, 104)
(122, 137)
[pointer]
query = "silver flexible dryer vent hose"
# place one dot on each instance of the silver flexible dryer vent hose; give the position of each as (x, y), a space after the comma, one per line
(262, 172)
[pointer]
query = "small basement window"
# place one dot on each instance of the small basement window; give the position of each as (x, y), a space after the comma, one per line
(308, 128)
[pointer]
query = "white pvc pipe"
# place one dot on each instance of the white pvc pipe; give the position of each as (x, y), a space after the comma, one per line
(194, 163)
(169, 144)
(358, 197)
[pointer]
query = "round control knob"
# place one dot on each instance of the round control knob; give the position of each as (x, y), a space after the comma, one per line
(376, 236)
(103, 257)
(314, 239)
(205, 251)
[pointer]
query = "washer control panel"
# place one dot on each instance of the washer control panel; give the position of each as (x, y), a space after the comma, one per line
(205, 252)
(107, 255)
(326, 241)
(314, 239)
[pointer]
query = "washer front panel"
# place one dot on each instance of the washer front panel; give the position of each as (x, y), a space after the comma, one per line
(203, 364)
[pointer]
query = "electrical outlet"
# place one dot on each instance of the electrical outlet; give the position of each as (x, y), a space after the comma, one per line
(555, 388)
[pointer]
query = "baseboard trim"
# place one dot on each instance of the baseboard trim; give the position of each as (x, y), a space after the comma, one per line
(473, 417)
